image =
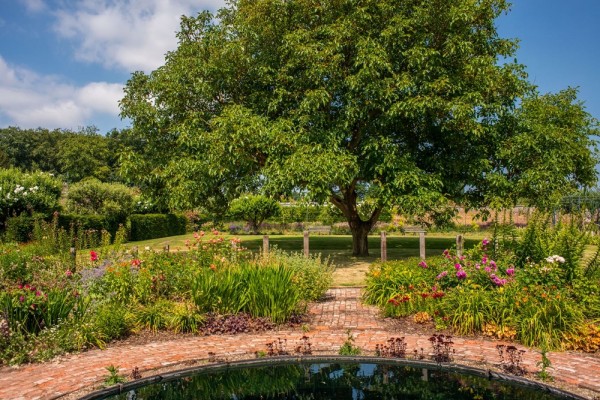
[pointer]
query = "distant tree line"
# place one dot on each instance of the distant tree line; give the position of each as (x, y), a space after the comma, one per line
(67, 154)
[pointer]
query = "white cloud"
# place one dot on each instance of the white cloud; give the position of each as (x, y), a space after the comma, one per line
(34, 6)
(29, 100)
(127, 34)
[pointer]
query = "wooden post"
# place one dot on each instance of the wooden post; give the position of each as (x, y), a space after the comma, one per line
(383, 247)
(167, 248)
(422, 245)
(305, 243)
(459, 245)
(266, 244)
(73, 252)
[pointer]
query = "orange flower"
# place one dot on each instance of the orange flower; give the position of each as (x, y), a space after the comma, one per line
(213, 267)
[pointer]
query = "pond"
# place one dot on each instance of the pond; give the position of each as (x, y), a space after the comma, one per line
(336, 378)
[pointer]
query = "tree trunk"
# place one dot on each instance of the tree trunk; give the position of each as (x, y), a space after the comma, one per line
(360, 242)
(360, 229)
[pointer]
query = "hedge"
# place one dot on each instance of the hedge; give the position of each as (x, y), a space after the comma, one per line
(150, 226)
(19, 229)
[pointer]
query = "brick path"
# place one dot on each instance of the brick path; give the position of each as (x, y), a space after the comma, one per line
(73, 375)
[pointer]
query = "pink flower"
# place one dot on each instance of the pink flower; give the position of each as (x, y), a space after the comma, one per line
(484, 260)
(461, 274)
(485, 242)
(423, 264)
(93, 256)
(136, 262)
(457, 266)
(441, 275)
(510, 271)
(21, 298)
(497, 281)
(68, 273)
(488, 269)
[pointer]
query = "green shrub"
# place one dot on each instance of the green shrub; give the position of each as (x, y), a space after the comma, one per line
(20, 229)
(253, 209)
(185, 318)
(114, 201)
(150, 226)
(112, 320)
(153, 316)
(27, 193)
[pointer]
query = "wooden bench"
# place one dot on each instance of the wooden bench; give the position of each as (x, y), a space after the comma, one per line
(414, 229)
(320, 229)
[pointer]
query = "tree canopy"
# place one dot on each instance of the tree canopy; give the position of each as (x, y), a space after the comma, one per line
(409, 101)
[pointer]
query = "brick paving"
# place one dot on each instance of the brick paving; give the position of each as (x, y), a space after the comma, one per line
(73, 375)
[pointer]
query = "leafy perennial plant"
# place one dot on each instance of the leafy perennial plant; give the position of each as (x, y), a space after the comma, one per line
(50, 306)
(548, 303)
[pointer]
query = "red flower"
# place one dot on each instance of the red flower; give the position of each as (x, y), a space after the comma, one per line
(93, 256)
(136, 262)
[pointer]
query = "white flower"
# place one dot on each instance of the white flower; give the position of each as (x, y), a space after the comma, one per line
(555, 258)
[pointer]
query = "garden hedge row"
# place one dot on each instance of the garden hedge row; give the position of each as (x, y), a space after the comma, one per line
(140, 226)
(150, 226)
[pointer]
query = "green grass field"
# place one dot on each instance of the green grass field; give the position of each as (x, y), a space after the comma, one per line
(337, 248)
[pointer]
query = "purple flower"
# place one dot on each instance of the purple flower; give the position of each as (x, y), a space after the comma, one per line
(488, 269)
(510, 271)
(484, 260)
(441, 275)
(461, 274)
(497, 281)
(423, 264)
(457, 266)
(493, 264)
(485, 242)
(21, 298)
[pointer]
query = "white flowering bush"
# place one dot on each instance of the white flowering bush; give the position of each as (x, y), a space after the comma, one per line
(27, 192)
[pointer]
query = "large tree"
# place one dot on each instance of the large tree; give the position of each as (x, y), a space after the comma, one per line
(404, 100)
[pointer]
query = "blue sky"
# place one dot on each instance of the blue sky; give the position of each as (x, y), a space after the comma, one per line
(63, 63)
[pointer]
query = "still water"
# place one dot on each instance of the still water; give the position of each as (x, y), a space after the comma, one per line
(333, 381)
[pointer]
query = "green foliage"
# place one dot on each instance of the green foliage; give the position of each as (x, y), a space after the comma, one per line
(221, 291)
(469, 308)
(113, 377)
(253, 209)
(271, 292)
(352, 103)
(19, 229)
(27, 193)
(540, 241)
(71, 155)
(348, 348)
(185, 318)
(153, 316)
(113, 320)
(551, 151)
(114, 201)
(546, 315)
(312, 276)
(149, 226)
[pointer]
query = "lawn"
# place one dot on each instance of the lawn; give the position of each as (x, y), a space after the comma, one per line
(338, 248)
